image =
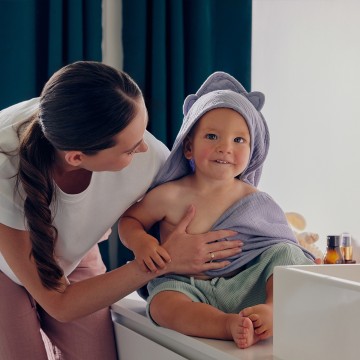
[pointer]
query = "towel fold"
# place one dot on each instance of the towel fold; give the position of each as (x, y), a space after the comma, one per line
(260, 223)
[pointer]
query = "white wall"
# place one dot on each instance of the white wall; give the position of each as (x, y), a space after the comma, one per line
(113, 55)
(306, 59)
(112, 50)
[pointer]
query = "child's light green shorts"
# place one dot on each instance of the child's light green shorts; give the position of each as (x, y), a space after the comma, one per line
(232, 294)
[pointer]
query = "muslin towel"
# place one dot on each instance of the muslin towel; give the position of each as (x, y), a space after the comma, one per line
(259, 221)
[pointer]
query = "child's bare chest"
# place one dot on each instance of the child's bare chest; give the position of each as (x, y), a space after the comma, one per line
(208, 209)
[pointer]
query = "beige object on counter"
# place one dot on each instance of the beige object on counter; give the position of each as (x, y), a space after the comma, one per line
(305, 238)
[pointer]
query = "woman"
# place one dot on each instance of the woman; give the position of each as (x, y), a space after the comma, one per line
(71, 162)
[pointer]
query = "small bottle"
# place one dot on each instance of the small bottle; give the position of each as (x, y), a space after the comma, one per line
(346, 248)
(333, 253)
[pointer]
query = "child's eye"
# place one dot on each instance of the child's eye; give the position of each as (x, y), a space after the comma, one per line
(211, 136)
(239, 140)
(132, 152)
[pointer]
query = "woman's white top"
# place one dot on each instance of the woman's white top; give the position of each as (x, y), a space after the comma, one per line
(81, 219)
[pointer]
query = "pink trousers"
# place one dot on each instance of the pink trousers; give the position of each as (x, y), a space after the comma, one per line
(89, 338)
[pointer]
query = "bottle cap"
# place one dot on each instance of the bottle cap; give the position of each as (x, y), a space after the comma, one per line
(345, 239)
(333, 240)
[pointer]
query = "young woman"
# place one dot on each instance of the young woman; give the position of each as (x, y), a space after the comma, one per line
(71, 162)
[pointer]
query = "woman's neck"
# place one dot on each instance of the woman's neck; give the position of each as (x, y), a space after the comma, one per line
(70, 179)
(73, 182)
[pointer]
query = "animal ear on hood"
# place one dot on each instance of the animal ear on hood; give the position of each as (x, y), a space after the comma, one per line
(220, 80)
(256, 98)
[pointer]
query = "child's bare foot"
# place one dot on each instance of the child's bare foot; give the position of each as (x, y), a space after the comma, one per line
(242, 331)
(262, 318)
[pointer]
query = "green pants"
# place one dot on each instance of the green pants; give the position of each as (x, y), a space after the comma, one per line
(235, 293)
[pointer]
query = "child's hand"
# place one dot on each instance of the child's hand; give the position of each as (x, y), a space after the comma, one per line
(150, 256)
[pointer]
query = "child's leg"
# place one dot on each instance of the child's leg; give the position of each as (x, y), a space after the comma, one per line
(91, 337)
(176, 311)
(261, 315)
(20, 336)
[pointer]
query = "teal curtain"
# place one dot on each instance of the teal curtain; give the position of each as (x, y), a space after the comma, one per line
(37, 37)
(171, 47)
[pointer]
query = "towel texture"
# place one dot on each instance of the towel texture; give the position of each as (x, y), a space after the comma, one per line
(220, 90)
(259, 221)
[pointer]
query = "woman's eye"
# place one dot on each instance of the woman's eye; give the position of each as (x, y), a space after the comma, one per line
(211, 136)
(239, 140)
(132, 152)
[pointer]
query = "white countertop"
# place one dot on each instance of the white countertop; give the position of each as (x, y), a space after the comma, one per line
(130, 312)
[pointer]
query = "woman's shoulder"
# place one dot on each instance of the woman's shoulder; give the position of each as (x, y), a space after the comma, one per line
(17, 113)
(156, 146)
(11, 202)
(10, 120)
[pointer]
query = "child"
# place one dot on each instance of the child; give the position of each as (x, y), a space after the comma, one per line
(215, 166)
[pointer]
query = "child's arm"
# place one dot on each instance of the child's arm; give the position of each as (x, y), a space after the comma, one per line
(133, 227)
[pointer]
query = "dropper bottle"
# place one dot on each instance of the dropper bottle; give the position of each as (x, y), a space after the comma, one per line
(333, 253)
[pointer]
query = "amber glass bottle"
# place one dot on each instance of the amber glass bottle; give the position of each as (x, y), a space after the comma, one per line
(333, 253)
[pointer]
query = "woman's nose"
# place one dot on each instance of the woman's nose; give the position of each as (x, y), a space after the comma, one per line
(142, 147)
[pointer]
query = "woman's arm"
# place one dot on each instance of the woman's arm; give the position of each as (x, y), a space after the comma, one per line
(189, 254)
(72, 300)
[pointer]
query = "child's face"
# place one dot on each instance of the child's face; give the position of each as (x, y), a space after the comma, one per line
(220, 144)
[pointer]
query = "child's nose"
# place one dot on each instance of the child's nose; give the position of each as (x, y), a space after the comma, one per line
(225, 147)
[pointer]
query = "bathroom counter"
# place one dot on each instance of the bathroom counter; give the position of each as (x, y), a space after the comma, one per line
(137, 336)
(314, 311)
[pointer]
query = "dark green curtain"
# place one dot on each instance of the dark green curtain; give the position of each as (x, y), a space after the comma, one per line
(37, 37)
(171, 47)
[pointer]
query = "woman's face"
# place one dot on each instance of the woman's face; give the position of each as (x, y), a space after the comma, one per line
(128, 142)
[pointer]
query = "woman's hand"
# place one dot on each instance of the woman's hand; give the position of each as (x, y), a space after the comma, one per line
(192, 254)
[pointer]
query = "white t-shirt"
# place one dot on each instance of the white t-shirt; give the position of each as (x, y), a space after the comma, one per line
(81, 219)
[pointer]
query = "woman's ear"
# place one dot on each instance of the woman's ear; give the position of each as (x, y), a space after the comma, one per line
(74, 158)
(187, 148)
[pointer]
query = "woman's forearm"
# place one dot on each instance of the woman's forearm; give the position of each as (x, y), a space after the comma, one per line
(85, 297)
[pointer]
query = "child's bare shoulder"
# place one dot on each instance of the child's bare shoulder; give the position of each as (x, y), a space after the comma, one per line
(169, 189)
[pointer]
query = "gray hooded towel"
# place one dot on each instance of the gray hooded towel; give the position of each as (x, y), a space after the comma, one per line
(259, 221)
